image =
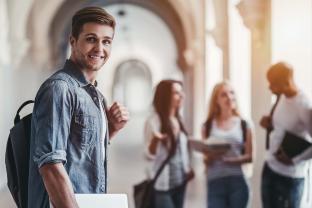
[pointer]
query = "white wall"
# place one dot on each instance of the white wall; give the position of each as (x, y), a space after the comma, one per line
(292, 38)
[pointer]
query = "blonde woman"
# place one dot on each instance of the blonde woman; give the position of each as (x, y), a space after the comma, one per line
(227, 187)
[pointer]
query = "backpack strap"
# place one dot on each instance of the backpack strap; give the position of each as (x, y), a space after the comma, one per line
(244, 130)
(18, 117)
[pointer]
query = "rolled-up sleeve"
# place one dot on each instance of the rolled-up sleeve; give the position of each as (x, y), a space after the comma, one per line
(51, 122)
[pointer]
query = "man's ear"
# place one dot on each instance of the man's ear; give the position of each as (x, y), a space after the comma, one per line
(72, 40)
(289, 83)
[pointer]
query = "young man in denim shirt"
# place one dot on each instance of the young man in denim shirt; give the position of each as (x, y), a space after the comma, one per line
(71, 125)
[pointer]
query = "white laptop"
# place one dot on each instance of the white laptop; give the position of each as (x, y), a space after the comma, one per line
(102, 200)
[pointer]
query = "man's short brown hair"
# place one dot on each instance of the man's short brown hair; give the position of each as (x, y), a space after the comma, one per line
(90, 14)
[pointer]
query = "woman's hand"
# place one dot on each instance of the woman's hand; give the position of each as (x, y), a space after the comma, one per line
(212, 156)
(158, 137)
(230, 160)
(241, 159)
(190, 175)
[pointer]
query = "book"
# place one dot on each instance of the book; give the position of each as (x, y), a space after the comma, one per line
(293, 144)
(101, 200)
(210, 145)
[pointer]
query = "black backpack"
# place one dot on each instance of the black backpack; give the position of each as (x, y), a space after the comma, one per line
(17, 157)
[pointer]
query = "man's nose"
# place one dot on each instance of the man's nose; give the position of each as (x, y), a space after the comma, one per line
(99, 46)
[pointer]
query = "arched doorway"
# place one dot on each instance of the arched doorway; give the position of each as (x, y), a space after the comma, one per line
(133, 78)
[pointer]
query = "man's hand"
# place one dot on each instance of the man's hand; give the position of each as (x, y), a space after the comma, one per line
(266, 122)
(117, 117)
(283, 158)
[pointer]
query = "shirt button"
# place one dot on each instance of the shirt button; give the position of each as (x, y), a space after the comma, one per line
(102, 188)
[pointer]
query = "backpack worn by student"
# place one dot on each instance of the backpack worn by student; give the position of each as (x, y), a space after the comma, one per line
(17, 157)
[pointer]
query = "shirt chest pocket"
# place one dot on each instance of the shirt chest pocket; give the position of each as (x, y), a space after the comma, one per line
(84, 130)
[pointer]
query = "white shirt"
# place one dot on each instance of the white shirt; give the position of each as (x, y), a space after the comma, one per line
(153, 125)
(294, 115)
(234, 136)
(104, 128)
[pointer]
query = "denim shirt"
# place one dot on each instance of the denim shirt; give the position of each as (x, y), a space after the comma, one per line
(66, 128)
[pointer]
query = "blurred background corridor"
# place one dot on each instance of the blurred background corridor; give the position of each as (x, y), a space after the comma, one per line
(200, 42)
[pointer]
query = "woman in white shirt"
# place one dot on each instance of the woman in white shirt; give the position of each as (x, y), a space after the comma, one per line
(165, 134)
(226, 184)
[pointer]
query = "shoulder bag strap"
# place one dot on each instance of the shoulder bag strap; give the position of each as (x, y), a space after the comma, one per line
(270, 129)
(170, 155)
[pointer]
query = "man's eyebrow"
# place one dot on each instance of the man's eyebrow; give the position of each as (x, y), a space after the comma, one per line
(93, 34)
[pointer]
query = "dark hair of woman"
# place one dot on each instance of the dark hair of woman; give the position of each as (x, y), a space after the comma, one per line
(162, 105)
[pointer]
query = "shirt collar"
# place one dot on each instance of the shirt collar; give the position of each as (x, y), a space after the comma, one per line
(72, 69)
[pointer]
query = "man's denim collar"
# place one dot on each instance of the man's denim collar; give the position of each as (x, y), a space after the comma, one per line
(72, 69)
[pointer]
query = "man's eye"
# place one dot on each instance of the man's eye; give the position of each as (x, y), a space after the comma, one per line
(91, 39)
(106, 42)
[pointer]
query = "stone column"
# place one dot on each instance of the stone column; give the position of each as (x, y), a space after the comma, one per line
(221, 33)
(194, 86)
(18, 12)
(256, 15)
(191, 60)
(4, 86)
(189, 87)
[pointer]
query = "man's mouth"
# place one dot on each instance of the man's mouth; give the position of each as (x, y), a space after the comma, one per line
(96, 57)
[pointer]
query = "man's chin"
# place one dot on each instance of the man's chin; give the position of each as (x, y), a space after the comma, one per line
(96, 67)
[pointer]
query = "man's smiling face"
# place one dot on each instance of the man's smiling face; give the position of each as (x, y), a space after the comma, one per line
(92, 48)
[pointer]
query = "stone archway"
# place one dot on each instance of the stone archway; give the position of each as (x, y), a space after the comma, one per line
(60, 27)
(133, 77)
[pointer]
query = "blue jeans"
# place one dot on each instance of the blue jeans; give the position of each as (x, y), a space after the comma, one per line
(280, 191)
(173, 198)
(228, 192)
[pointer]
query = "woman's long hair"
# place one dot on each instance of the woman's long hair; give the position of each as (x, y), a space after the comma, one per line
(162, 105)
(214, 108)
